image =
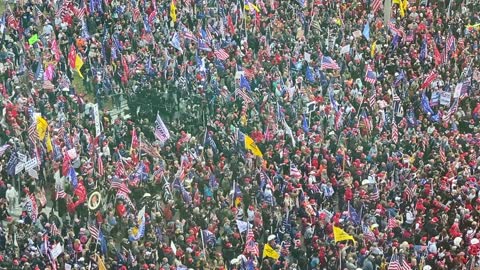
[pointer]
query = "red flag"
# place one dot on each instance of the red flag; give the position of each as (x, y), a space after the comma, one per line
(56, 50)
(66, 164)
(430, 78)
(231, 27)
(72, 55)
(125, 68)
(101, 171)
(438, 57)
(135, 142)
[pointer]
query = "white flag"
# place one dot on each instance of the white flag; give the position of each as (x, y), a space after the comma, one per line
(161, 131)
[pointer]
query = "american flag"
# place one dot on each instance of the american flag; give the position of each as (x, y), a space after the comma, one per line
(329, 63)
(396, 31)
(80, 12)
(443, 157)
(161, 131)
(410, 191)
(444, 56)
(370, 75)
(65, 9)
(451, 111)
(398, 263)
(221, 54)
(4, 148)
(376, 5)
(266, 180)
(366, 121)
(430, 78)
(101, 170)
(395, 97)
(251, 246)
(368, 234)
(392, 223)
(54, 230)
(120, 169)
(152, 16)
(375, 195)
(136, 14)
(244, 95)
(60, 193)
(33, 133)
(394, 132)
(12, 22)
(372, 100)
(295, 172)
(94, 231)
(425, 142)
(187, 34)
(451, 43)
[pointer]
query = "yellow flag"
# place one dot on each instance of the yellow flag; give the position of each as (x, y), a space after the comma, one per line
(403, 7)
(78, 65)
(268, 251)
(173, 11)
(42, 126)
(252, 146)
(247, 7)
(48, 143)
(373, 48)
(100, 263)
(340, 235)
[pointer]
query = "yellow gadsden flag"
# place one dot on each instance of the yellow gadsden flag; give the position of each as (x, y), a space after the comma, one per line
(268, 251)
(42, 126)
(340, 235)
(48, 143)
(100, 263)
(78, 65)
(252, 146)
(173, 11)
(373, 48)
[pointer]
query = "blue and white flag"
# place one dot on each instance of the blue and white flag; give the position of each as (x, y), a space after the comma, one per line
(161, 131)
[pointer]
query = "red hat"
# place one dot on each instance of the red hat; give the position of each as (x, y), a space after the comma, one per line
(435, 220)
(433, 239)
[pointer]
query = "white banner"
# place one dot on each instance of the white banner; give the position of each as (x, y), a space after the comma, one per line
(96, 116)
(20, 166)
(56, 251)
(30, 164)
(22, 157)
(445, 98)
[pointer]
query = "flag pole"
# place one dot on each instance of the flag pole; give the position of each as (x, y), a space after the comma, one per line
(203, 245)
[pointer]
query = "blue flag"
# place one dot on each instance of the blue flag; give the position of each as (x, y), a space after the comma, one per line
(146, 24)
(103, 242)
(428, 110)
(305, 124)
(423, 51)
(366, 31)
(309, 75)
(244, 83)
(354, 216)
(72, 175)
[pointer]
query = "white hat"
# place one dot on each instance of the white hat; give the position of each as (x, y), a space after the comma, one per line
(271, 237)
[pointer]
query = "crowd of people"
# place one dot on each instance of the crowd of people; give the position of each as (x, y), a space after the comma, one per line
(260, 135)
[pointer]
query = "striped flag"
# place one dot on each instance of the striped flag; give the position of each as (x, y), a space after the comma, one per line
(33, 133)
(366, 121)
(375, 195)
(398, 263)
(295, 172)
(251, 245)
(392, 223)
(244, 95)
(54, 230)
(372, 100)
(60, 193)
(221, 54)
(120, 169)
(266, 180)
(161, 131)
(451, 43)
(329, 63)
(100, 168)
(430, 78)
(370, 75)
(368, 234)
(4, 148)
(376, 5)
(136, 14)
(443, 157)
(394, 132)
(94, 231)
(410, 191)
(395, 97)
